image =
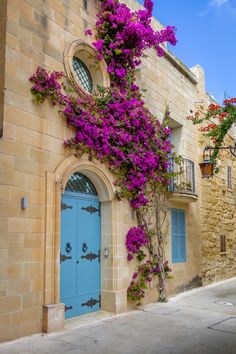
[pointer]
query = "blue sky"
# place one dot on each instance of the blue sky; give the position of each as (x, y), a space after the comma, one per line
(206, 33)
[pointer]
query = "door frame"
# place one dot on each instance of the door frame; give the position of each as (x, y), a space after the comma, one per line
(113, 286)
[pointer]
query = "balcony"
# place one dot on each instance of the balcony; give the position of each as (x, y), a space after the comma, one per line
(182, 187)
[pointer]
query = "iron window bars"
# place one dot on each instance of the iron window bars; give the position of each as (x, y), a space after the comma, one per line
(82, 74)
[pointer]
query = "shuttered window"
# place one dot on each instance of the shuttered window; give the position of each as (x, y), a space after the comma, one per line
(222, 244)
(178, 235)
(229, 177)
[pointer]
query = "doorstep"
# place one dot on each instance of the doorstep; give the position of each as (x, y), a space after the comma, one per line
(87, 319)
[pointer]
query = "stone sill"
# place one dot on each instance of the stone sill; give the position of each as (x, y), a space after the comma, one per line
(223, 253)
(182, 197)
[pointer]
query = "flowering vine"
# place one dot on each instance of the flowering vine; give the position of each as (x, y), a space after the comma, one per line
(135, 239)
(215, 123)
(143, 277)
(123, 36)
(114, 126)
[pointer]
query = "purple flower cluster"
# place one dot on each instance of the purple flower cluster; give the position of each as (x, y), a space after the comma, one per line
(47, 86)
(135, 239)
(156, 270)
(143, 277)
(123, 36)
(136, 291)
(123, 134)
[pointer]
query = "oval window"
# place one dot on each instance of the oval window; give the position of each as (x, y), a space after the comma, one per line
(82, 74)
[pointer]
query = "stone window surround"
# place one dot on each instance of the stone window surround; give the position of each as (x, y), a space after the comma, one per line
(113, 294)
(87, 54)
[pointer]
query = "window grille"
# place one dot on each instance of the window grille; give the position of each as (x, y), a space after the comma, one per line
(78, 183)
(222, 244)
(184, 181)
(82, 74)
(229, 177)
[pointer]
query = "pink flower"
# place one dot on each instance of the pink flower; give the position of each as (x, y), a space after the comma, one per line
(88, 32)
(99, 45)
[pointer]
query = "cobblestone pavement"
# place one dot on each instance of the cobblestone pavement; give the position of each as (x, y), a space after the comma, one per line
(202, 321)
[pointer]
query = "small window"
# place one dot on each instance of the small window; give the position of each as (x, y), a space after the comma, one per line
(85, 3)
(82, 74)
(222, 244)
(178, 235)
(229, 177)
(83, 69)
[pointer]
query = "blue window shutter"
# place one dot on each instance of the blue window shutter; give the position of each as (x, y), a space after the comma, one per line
(182, 236)
(178, 235)
(174, 232)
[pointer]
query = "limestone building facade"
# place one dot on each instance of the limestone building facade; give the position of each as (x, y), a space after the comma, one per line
(35, 170)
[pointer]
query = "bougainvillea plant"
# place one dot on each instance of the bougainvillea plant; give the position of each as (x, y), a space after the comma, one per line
(135, 239)
(143, 277)
(114, 126)
(215, 124)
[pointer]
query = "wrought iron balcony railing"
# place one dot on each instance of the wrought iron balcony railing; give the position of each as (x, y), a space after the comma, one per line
(184, 181)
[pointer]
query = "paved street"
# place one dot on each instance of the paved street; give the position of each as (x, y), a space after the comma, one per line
(202, 321)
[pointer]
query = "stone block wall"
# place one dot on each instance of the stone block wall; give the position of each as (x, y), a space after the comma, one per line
(32, 148)
(3, 12)
(170, 84)
(32, 143)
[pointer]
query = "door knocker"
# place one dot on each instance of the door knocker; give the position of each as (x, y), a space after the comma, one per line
(68, 247)
(84, 247)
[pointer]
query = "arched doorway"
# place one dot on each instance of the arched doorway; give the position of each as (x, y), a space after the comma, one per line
(80, 270)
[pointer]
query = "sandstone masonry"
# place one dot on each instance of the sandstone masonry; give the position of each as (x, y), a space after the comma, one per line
(34, 164)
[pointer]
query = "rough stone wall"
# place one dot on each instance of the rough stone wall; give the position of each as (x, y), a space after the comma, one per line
(217, 205)
(218, 219)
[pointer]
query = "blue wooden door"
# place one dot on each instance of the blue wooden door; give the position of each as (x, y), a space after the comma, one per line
(80, 281)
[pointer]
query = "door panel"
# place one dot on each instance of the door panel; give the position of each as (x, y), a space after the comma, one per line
(81, 274)
(68, 232)
(89, 260)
